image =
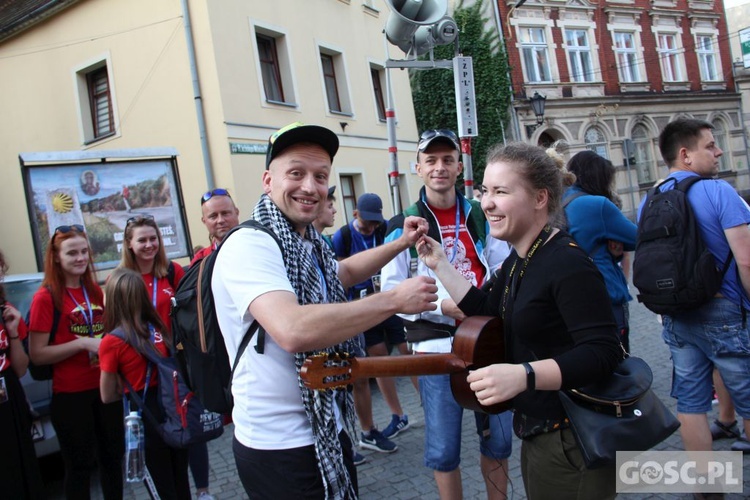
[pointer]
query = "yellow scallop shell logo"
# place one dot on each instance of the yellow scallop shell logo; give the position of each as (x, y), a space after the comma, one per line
(62, 203)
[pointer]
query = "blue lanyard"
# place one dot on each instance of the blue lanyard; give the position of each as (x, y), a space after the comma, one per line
(88, 313)
(153, 293)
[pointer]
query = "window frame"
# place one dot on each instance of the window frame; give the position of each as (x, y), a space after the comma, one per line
(270, 67)
(348, 195)
(95, 96)
(721, 138)
(86, 110)
(704, 54)
(600, 146)
(578, 53)
(671, 60)
(530, 51)
(378, 91)
(632, 66)
(330, 83)
(343, 92)
(644, 155)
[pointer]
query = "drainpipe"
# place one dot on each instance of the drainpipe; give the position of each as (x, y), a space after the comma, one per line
(516, 128)
(200, 115)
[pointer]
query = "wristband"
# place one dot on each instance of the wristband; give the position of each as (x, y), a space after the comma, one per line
(530, 377)
(14, 338)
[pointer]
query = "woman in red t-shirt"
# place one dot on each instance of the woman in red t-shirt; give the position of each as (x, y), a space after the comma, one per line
(19, 472)
(129, 309)
(143, 251)
(87, 429)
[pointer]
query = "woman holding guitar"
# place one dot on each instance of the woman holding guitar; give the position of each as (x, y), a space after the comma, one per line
(558, 322)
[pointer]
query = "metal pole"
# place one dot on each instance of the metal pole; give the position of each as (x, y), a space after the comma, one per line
(197, 96)
(468, 171)
(390, 122)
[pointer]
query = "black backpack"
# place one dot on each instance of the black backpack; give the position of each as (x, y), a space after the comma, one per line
(42, 372)
(186, 421)
(346, 236)
(673, 269)
(199, 345)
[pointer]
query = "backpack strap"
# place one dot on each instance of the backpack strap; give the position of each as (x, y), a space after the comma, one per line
(260, 346)
(572, 197)
(137, 397)
(346, 237)
(170, 275)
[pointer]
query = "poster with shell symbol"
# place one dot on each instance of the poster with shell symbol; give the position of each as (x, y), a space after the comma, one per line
(64, 209)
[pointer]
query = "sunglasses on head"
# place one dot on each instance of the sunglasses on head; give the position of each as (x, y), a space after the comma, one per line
(68, 228)
(138, 219)
(439, 132)
(214, 192)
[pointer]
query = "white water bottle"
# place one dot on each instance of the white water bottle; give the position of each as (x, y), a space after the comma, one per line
(135, 459)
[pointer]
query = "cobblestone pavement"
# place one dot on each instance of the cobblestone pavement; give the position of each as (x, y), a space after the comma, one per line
(401, 475)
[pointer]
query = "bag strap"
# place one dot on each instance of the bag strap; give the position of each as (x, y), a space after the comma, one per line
(572, 197)
(117, 332)
(170, 275)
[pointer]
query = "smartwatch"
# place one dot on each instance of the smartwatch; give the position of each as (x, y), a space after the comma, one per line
(530, 377)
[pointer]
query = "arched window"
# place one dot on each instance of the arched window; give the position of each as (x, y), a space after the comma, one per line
(720, 137)
(644, 157)
(596, 142)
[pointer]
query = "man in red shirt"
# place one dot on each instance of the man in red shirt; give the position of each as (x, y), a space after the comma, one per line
(219, 215)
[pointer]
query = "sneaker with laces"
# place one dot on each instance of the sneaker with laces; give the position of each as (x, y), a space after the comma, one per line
(721, 430)
(374, 440)
(359, 458)
(397, 426)
(205, 496)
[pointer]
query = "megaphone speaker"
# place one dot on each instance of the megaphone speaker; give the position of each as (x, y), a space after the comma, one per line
(443, 32)
(408, 15)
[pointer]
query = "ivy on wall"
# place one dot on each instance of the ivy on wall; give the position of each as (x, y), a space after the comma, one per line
(433, 91)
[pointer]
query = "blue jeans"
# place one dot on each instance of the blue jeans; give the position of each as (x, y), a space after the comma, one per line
(714, 335)
(442, 422)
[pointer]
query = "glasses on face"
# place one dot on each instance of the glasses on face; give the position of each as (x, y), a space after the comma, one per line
(214, 192)
(138, 219)
(439, 132)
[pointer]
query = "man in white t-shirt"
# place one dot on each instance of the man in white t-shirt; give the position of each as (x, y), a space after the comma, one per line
(290, 441)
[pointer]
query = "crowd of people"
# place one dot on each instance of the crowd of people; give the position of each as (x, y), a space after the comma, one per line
(545, 250)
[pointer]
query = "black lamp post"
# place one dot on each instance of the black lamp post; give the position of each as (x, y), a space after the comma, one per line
(538, 102)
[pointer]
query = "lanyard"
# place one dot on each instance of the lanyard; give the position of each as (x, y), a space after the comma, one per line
(88, 313)
(153, 293)
(513, 281)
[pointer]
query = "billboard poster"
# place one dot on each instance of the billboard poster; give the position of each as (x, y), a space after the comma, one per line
(102, 197)
(745, 46)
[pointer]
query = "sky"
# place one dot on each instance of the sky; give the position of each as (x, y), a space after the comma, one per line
(728, 4)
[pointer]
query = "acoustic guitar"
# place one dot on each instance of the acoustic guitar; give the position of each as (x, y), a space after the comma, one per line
(478, 342)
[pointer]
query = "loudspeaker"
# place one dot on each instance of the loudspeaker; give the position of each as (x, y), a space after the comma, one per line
(408, 15)
(443, 32)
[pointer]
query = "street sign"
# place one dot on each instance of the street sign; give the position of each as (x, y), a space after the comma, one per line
(466, 106)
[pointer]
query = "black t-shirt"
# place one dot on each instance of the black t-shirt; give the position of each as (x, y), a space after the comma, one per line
(562, 311)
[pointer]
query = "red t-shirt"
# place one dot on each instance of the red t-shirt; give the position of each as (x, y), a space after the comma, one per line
(78, 372)
(164, 293)
(5, 342)
(117, 356)
(203, 252)
(465, 258)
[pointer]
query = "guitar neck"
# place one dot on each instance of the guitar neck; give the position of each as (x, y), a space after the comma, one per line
(402, 366)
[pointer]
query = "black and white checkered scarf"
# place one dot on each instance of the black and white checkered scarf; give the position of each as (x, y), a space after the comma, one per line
(303, 275)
